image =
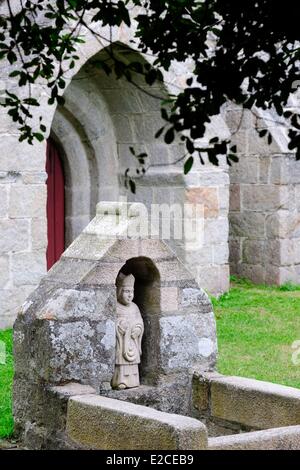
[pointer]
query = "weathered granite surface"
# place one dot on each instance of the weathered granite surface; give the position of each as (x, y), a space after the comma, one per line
(102, 423)
(65, 331)
(230, 405)
(285, 438)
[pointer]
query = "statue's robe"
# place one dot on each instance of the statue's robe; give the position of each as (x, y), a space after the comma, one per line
(129, 332)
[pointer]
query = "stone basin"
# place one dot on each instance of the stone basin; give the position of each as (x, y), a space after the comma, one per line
(65, 347)
(225, 413)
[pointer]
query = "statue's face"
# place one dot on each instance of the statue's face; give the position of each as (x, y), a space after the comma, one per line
(126, 295)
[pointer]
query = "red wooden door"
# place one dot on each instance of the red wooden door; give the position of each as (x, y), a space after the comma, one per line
(55, 204)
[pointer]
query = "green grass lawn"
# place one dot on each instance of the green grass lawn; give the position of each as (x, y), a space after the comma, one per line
(256, 328)
(6, 375)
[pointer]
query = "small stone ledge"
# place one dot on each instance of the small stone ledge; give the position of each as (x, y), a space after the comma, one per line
(170, 395)
(250, 403)
(95, 422)
(72, 388)
(285, 438)
(255, 403)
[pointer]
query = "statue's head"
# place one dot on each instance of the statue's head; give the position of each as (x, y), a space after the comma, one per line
(125, 288)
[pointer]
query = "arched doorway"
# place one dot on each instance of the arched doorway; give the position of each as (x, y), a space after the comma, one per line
(99, 121)
(55, 204)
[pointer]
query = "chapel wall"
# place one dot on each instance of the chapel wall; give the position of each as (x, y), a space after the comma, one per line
(23, 237)
(264, 212)
(134, 119)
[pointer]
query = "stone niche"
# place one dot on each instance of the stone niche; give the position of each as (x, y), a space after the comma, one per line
(64, 335)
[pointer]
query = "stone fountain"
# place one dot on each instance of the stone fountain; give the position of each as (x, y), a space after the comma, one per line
(71, 331)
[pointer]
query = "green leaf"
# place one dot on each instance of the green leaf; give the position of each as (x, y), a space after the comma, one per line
(11, 57)
(13, 96)
(15, 73)
(60, 100)
(159, 132)
(61, 83)
(132, 186)
(169, 136)
(233, 157)
(270, 138)
(73, 3)
(188, 165)
(151, 77)
(38, 136)
(190, 146)
(142, 155)
(262, 133)
(164, 114)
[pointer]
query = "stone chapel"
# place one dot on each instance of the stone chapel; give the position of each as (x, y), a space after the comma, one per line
(49, 191)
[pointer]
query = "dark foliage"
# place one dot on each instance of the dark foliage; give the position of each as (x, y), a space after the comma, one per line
(244, 52)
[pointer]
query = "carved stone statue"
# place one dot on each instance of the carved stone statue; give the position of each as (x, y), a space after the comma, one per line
(129, 332)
